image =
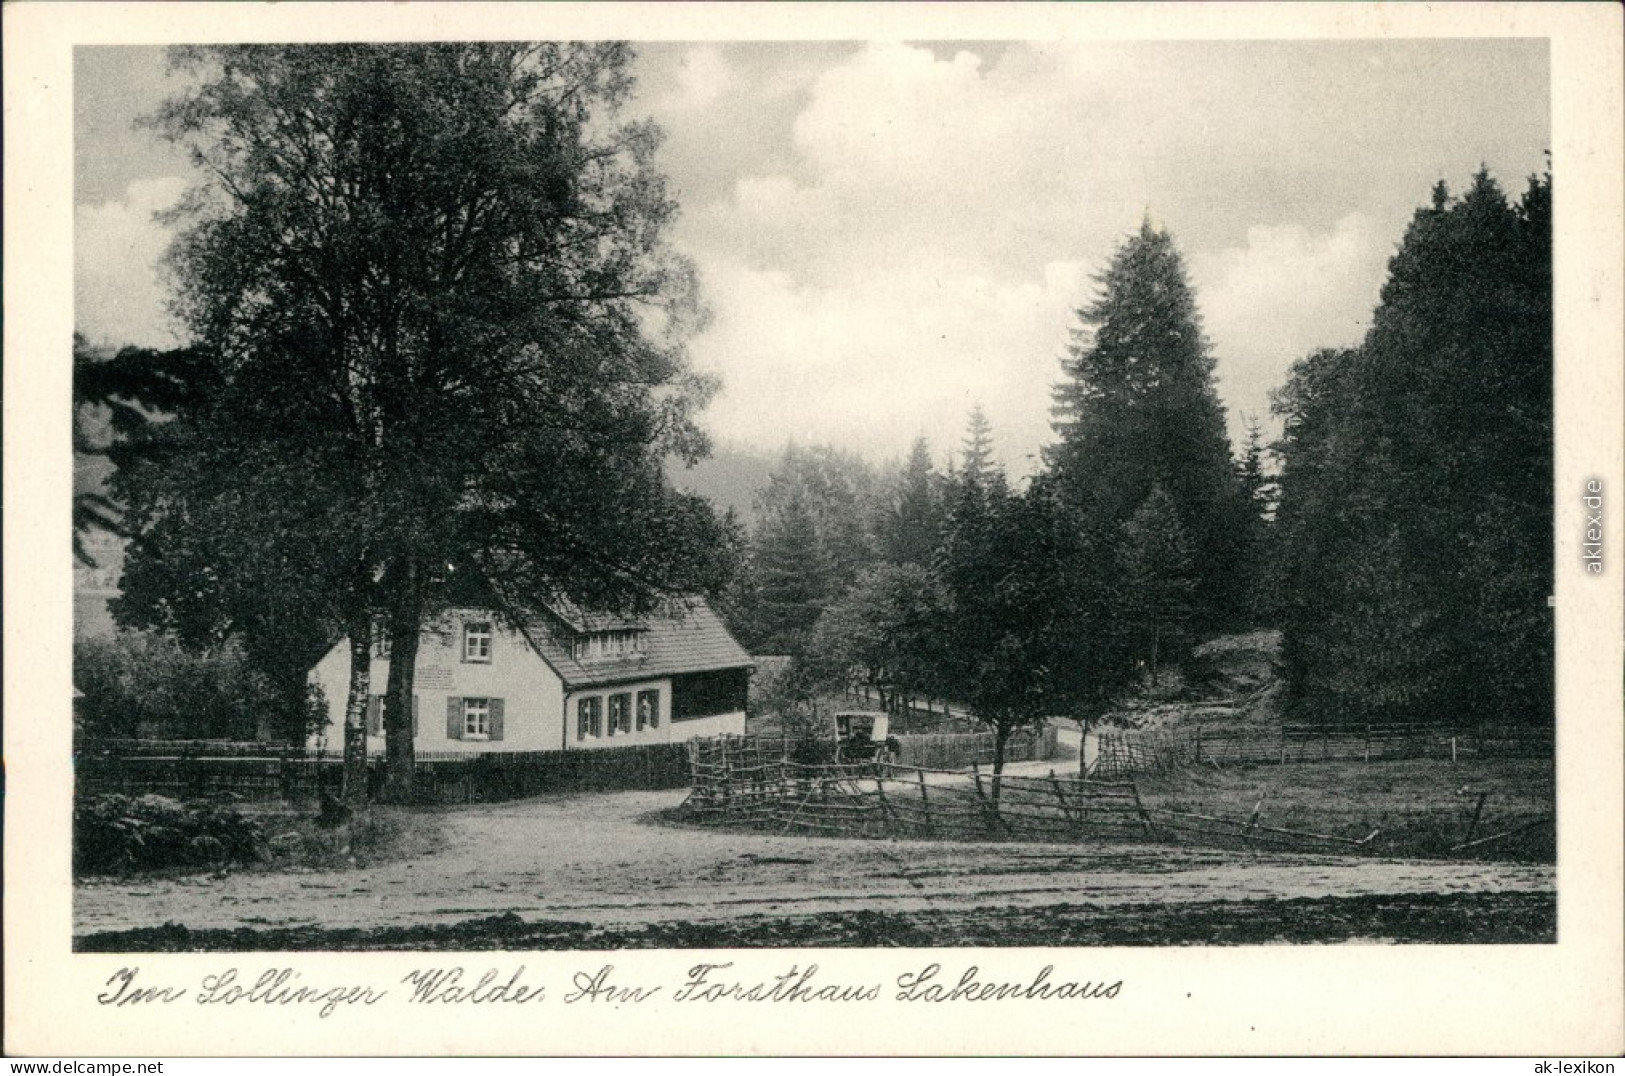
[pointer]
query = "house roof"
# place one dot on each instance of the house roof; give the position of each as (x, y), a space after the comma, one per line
(687, 640)
(582, 620)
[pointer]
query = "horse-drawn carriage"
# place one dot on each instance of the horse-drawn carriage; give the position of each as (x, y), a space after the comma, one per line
(861, 736)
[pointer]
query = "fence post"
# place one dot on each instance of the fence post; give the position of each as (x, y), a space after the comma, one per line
(1252, 822)
(1477, 810)
(925, 806)
(282, 776)
(1145, 816)
(990, 810)
(1066, 809)
(886, 816)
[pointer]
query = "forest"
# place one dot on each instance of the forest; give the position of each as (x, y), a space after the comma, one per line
(1398, 533)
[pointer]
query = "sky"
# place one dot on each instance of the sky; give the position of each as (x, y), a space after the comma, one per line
(890, 233)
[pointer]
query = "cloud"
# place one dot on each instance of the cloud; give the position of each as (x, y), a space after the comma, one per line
(873, 362)
(702, 77)
(118, 296)
(1286, 292)
(919, 235)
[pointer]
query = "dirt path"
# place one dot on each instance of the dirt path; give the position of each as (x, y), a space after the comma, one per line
(603, 859)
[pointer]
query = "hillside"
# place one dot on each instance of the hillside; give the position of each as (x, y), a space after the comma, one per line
(1231, 678)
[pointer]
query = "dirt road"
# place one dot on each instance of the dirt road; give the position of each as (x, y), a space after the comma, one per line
(606, 860)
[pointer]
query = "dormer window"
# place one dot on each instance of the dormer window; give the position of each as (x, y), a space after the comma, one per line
(608, 645)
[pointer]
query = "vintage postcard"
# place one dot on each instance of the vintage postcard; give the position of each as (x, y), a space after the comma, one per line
(642, 529)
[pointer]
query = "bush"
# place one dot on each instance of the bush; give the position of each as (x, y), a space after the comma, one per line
(145, 684)
(115, 834)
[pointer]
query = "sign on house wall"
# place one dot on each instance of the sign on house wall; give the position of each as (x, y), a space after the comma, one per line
(433, 677)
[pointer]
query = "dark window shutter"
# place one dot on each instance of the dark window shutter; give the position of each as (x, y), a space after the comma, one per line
(375, 714)
(454, 718)
(414, 717)
(496, 719)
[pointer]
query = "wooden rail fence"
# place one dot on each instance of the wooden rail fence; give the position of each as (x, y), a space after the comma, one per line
(734, 783)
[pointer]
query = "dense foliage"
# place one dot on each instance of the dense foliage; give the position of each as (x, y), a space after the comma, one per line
(117, 834)
(145, 684)
(1415, 505)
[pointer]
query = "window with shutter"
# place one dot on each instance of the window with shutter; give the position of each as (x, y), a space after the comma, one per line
(620, 714)
(589, 717)
(454, 718)
(496, 719)
(648, 709)
(476, 719)
(375, 715)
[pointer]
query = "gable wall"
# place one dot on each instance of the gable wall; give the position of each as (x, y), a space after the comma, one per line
(532, 694)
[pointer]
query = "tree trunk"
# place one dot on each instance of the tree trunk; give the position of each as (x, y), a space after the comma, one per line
(355, 712)
(1001, 736)
(405, 624)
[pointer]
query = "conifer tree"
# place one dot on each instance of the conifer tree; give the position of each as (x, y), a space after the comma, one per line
(1158, 581)
(790, 580)
(1415, 515)
(1137, 408)
(910, 530)
(977, 452)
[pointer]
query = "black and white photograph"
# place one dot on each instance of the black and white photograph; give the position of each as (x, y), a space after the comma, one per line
(825, 514)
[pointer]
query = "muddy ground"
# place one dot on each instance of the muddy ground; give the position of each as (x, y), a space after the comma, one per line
(605, 871)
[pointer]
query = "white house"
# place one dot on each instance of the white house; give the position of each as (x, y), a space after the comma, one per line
(575, 682)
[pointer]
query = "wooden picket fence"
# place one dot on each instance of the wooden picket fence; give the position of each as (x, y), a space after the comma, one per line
(490, 777)
(1126, 752)
(291, 776)
(957, 750)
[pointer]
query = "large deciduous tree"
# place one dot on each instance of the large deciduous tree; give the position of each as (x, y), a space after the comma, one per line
(886, 632)
(435, 280)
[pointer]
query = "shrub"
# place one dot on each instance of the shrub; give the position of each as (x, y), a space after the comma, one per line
(114, 834)
(142, 683)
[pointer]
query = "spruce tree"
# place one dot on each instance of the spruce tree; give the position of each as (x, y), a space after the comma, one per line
(1415, 514)
(790, 582)
(910, 530)
(977, 452)
(1137, 408)
(1158, 580)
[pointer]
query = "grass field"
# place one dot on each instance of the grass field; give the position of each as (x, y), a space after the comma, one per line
(1420, 807)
